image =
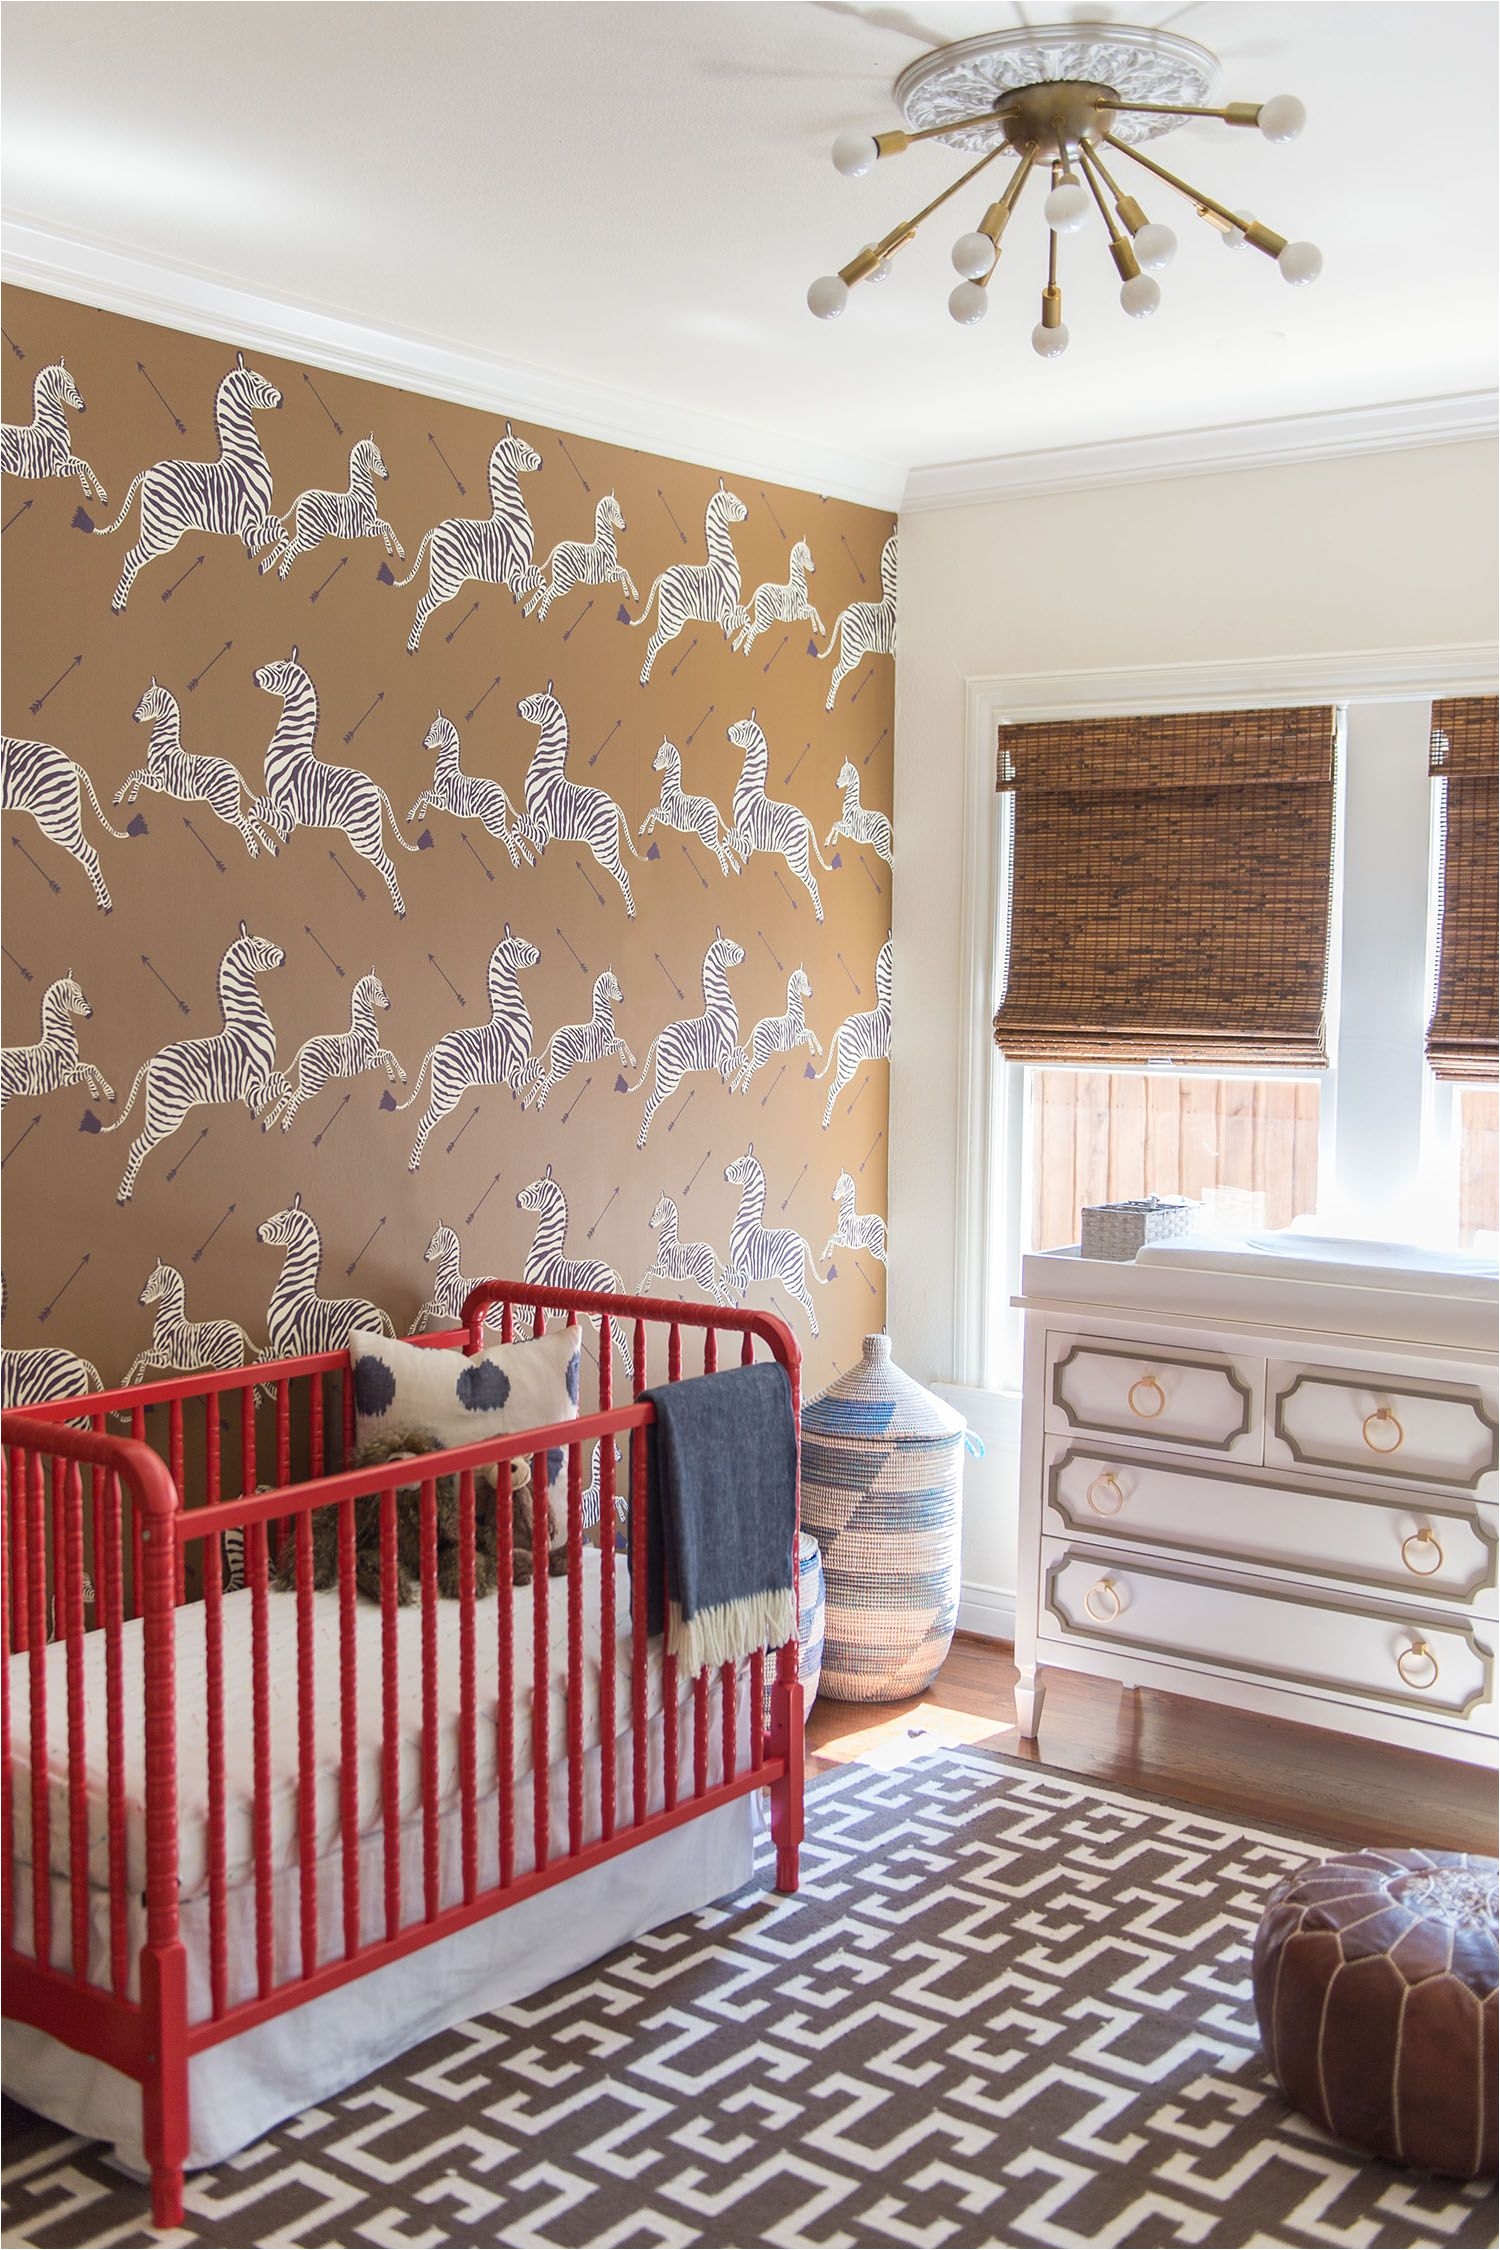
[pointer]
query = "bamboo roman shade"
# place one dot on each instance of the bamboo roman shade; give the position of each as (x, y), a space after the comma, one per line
(1170, 889)
(1461, 1037)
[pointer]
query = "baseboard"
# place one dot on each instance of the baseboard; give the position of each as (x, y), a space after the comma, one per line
(989, 1611)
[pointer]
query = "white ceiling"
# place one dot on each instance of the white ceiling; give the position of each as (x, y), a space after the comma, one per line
(634, 196)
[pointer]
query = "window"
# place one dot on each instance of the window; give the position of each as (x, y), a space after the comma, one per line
(1478, 1162)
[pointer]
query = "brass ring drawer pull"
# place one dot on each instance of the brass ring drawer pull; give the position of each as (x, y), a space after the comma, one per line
(1422, 1538)
(1418, 1656)
(1383, 1419)
(1104, 1589)
(1106, 1481)
(1146, 1383)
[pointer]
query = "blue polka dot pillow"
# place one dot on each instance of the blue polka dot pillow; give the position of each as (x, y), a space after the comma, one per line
(509, 1387)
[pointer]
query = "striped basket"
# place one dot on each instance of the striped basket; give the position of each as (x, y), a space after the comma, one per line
(810, 1615)
(882, 1482)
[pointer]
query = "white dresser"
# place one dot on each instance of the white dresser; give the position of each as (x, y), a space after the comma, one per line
(1265, 1482)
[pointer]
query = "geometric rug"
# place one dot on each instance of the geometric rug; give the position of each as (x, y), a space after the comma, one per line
(1006, 2007)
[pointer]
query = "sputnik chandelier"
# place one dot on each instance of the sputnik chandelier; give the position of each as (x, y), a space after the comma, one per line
(1056, 98)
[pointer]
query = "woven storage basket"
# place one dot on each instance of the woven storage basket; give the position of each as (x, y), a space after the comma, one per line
(1118, 1230)
(811, 1611)
(882, 1484)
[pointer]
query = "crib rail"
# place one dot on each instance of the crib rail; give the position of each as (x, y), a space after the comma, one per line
(290, 1826)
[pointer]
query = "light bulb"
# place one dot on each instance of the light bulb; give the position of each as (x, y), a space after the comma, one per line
(854, 154)
(1066, 208)
(1300, 262)
(1282, 117)
(828, 296)
(1155, 246)
(1233, 237)
(968, 303)
(1140, 296)
(1049, 343)
(882, 272)
(973, 256)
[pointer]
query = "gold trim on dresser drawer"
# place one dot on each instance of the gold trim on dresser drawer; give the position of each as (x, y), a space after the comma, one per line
(1212, 1609)
(1362, 1458)
(1083, 1348)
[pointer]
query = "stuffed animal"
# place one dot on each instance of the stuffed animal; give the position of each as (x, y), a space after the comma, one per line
(409, 1445)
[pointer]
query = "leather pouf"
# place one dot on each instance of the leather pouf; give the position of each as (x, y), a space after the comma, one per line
(1375, 1978)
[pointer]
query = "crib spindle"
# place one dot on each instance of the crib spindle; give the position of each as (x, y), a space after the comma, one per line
(257, 1571)
(541, 1657)
(575, 1648)
(176, 1467)
(41, 1811)
(430, 1899)
(638, 1613)
(608, 1643)
(7, 1780)
(467, 1762)
(67, 1501)
(505, 1611)
(317, 1466)
(307, 1753)
(20, 1573)
(390, 1716)
(348, 1731)
(137, 1559)
(213, 1642)
(114, 1722)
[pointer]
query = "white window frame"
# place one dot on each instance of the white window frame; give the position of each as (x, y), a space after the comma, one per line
(990, 1123)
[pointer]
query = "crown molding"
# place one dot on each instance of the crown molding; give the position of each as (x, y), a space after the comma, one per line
(1211, 452)
(1382, 675)
(95, 272)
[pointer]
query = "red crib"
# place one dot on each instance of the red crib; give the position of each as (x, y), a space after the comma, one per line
(112, 1557)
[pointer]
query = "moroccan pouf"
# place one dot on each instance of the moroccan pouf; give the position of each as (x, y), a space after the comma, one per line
(1375, 1978)
(882, 1487)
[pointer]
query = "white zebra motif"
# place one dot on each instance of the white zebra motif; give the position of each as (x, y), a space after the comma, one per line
(180, 1346)
(778, 1035)
(592, 1500)
(766, 824)
(690, 816)
(546, 1267)
(865, 628)
(180, 773)
(43, 447)
(444, 1308)
(304, 792)
(335, 1054)
(856, 1230)
(334, 515)
(486, 1054)
(492, 550)
(231, 1065)
(706, 593)
(298, 1321)
(682, 1261)
(855, 822)
(37, 1377)
(575, 1043)
(773, 604)
(40, 779)
(231, 495)
(706, 1042)
(861, 1038)
(572, 563)
(54, 1063)
(468, 796)
(569, 812)
(761, 1253)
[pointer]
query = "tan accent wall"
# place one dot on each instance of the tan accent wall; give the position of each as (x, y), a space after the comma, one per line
(200, 620)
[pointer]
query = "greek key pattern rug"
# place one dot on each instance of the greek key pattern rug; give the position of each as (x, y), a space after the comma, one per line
(1006, 2007)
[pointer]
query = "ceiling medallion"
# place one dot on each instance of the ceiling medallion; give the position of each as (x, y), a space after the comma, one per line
(1055, 97)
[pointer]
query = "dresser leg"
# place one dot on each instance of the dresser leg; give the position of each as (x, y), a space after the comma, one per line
(1030, 1694)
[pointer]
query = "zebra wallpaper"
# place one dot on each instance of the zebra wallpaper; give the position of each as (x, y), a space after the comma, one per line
(435, 847)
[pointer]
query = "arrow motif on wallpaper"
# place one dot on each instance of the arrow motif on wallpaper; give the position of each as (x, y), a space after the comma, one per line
(328, 581)
(864, 1277)
(684, 1107)
(450, 638)
(567, 942)
(208, 1238)
(323, 1131)
(23, 1136)
(791, 1191)
(849, 551)
(474, 853)
(776, 871)
(775, 1082)
(577, 1098)
(599, 895)
(780, 645)
(805, 748)
(213, 855)
(142, 369)
(849, 1105)
(54, 888)
(148, 963)
(336, 966)
(608, 739)
(590, 1232)
(687, 652)
(204, 670)
(849, 973)
(870, 1151)
(578, 620)
(15, 964)
(676, 526)
(322, 401)
(15, 347)
(875, 882)
(693, 864)
(703, 1159)
(187, 1152)
(661, 964)
(495, 682)
(770, 948)
(447, 464)
(359, 722)
(47, 1310)
(169, 591)
(458, 1136)
(708, 714)
(4, 527)
(771, 512)
(57, 683)
(364, 1246)
(448, 981)
(573, 465)
(864, 683)
(348, 878)
(874, 746)
(479, 1206)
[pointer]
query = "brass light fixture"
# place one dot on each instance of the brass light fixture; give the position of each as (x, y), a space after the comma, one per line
(1055, 98)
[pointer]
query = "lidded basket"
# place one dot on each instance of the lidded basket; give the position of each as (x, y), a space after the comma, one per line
(882, 1487)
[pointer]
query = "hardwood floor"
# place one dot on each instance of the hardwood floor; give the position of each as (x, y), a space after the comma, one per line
(1255, 1769)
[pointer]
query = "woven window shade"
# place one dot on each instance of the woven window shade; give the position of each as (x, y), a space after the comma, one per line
(1170, 889)
(1461, 1037)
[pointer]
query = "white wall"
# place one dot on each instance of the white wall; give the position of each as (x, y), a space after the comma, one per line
(1380, 553)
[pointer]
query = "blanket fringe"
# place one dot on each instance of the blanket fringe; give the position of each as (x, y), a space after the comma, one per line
(731, 1631)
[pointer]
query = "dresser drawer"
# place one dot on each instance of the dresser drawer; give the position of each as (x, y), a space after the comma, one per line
(1400, 1429)
(1119, 1388)
(1394, 1542)
(1363, 1649)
